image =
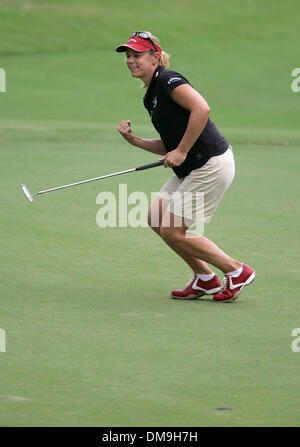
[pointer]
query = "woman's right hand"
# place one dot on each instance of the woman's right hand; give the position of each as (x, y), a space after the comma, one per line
(125, 130)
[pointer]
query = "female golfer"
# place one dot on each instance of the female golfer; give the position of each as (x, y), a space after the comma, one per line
(203, 165)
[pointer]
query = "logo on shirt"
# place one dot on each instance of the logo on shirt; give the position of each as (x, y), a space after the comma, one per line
(153, 105)
(171, 80)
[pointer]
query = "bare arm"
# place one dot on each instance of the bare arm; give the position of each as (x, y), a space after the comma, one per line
(156, 146)
(191, 100)
(199, 110)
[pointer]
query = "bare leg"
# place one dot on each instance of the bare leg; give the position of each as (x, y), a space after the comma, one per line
(193, 245)
(155, 219)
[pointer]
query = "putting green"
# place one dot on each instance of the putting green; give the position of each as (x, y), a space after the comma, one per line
(92, 335)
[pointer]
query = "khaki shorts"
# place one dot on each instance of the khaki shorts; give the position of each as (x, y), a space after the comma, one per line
(196, 196)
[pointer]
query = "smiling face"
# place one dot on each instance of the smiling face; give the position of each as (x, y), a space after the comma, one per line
(142, 64)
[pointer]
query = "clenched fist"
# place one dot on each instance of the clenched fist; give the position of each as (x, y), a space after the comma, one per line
(125, 130)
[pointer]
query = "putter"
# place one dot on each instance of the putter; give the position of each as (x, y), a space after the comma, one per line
(30, 197)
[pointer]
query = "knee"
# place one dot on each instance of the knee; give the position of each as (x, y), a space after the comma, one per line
(152, 222)
(171, 235)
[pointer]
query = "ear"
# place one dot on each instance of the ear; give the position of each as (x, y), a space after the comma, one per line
(156, 58)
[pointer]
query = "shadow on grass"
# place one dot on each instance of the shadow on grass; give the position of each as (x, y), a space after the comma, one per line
(199, 300)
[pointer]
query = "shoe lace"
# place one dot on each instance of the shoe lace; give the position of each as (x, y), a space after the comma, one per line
(225, 283)
(191, 280)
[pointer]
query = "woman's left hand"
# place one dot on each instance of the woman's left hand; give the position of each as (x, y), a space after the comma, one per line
(174, 158)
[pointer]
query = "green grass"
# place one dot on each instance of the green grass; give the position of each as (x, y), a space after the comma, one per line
(93, 338)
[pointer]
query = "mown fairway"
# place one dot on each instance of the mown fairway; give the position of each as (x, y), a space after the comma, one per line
(92, 335)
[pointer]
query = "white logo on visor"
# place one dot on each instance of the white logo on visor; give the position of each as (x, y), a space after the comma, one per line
(173, 80)
(132, 40)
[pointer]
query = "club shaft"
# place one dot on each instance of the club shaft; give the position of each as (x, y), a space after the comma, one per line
(85, 181)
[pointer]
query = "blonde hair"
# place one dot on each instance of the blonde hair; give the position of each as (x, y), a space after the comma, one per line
(164, 59)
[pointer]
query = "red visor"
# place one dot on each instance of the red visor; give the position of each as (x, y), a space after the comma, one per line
(138, 44)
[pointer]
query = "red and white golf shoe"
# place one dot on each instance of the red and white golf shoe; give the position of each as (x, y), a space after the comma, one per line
(197, 287)
(233, 285)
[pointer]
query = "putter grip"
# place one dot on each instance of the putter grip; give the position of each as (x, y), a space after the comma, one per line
(151, 165)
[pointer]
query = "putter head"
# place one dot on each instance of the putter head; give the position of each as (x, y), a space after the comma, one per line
(27, 193)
